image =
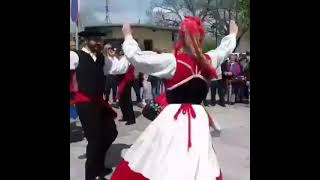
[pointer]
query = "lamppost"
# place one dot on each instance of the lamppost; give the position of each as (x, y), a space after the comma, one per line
(216, 21)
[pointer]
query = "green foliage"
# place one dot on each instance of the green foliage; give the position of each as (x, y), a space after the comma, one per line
(244, 12)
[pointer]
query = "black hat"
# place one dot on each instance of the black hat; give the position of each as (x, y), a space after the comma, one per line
(88, 34)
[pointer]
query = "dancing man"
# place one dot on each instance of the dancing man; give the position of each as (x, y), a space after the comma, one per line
(177, 144)
(96, 116)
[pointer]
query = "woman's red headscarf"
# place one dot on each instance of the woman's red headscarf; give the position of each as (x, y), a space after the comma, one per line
(192, 28)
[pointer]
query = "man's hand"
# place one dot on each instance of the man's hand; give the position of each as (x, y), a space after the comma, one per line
(126, 29)
(233, 27)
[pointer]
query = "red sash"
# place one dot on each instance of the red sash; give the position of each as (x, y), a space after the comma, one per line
(82, 98)
(129, 76)
(187, 109)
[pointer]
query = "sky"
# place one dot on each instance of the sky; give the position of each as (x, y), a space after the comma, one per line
(93, 11)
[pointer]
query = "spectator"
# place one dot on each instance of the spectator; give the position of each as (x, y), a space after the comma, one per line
(218, 84)
(111, 61)
(72, 45)
(247, 76)
(235, 69)
(144, 89)
(155, 86)
(155, 83)
(137, 84)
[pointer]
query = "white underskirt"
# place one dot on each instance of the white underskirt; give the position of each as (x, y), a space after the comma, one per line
(161, 151)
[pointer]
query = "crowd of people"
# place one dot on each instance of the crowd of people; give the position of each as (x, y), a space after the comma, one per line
(233, 81)
(170, 147)
(232, 84)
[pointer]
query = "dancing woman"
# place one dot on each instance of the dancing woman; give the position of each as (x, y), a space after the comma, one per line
(177, 145)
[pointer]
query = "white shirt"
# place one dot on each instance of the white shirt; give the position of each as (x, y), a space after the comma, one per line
(113, 65)
(94, 57)
(164, 65)
(74, 60)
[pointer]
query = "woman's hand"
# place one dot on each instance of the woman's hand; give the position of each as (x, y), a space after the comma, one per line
(233, 27)
(126, 29)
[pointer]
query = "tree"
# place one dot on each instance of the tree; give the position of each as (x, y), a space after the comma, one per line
(214, 13)
(243, 10)
(170, 13)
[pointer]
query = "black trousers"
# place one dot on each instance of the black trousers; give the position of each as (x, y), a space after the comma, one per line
(136, 87)
(218, 84)
(155, 88)
(111, 84)
(125, 103)
(237, 89)
(100, 130)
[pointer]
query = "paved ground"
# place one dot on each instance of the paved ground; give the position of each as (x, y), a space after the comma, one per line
(232, 147)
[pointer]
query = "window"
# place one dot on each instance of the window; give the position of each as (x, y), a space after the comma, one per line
(148, 45)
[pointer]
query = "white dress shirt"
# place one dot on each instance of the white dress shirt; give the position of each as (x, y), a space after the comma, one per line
(74, 58)
(114, 66)
(164, 65)
(94, 57)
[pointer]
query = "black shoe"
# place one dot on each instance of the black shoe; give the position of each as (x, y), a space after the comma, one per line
(222, 104)
(246, 101)
(130, 123)
(105, 172)
(140, 105)
(83, 156)
(205, 104)
(122, 120)
(212, 103)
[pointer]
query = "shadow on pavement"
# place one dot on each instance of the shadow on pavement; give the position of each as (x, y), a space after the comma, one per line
(113, 156)
(137, 113)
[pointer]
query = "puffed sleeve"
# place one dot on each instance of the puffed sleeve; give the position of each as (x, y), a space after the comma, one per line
(122, 66)
(225, 48)
(74, 60)
(159, 65)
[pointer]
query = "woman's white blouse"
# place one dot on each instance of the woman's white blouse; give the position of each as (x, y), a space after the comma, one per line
(164, 65)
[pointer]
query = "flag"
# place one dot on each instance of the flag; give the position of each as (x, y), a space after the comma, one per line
(75, 11)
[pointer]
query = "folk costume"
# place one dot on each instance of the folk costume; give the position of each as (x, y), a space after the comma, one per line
(177, 144)
(96, 116)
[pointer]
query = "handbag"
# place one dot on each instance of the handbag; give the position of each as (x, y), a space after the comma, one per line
(154, 108)
(151, 110)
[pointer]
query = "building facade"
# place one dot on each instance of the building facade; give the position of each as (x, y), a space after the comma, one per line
(148, 37)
